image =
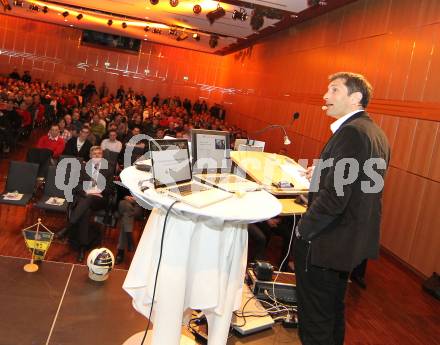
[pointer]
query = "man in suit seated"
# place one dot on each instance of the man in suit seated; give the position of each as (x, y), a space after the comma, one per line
(90, 195)
(79, 146)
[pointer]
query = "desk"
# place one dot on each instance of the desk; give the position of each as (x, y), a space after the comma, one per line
(291, 208)
(203, 262)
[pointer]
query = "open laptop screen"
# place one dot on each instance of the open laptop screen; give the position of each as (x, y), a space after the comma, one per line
(170, 162)
(210, 150)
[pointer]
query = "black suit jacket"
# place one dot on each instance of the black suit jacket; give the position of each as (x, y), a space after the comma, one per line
(72, 150)
(344, 230)
(107, 174)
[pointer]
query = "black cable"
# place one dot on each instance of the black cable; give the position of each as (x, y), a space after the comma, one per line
(157, 270)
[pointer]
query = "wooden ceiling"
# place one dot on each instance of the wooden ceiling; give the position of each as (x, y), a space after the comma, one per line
(160, 22)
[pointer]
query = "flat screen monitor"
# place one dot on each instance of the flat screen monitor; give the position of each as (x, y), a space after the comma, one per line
(210, 150)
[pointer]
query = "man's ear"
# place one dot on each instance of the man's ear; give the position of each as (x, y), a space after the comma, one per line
(356, 98)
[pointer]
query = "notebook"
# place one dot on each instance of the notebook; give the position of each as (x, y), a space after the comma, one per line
(172, 174)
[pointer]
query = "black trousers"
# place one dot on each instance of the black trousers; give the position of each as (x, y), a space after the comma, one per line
(83, 207)
(320, 294)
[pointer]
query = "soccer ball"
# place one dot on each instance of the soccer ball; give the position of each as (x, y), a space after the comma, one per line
(100, 262)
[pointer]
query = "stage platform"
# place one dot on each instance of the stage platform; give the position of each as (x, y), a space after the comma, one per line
(60, 305)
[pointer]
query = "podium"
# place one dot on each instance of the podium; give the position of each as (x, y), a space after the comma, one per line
(203, 260)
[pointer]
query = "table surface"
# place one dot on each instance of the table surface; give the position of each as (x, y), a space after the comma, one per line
(246, 208)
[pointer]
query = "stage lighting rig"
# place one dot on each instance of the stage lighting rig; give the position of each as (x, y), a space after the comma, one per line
(183, 36)
(109, 22)
(174, 3)
(79, 16)
(257, 20)
(124, 25)
(213, 41)
(218, 13)
(240, 15)
(65, 14)
(45, 9)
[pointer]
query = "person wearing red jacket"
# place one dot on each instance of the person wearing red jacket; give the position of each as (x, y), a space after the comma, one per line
(52, 141)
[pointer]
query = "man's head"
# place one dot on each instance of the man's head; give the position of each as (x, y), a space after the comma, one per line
(112, 135)
(347, 92)
(84, 133)
(54, 131)
(96, 152)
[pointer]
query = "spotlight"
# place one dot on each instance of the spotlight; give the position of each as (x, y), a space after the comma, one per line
(18, 3)
(109, 22)
(124, 25)
(257, 21)
(79, 16)
(154, 2)
(216, 14)
(239, 15)
(213, 41)
(157, 31)
(45, 9)
(34, 7)
(183, 36)
(196, 36)
(173, 31)
(147, 28)
(174, 3)
(197, 9)
(65, 14)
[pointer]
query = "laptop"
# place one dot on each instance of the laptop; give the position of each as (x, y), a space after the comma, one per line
(172, 174)
(212, 162)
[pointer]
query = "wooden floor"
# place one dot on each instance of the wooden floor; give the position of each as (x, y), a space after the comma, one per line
(392, 310)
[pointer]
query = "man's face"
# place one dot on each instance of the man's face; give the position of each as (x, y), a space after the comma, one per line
(135, 131)
(96, 154)
(84, 133)
(338, 101)
(54, 131)
(112, 136)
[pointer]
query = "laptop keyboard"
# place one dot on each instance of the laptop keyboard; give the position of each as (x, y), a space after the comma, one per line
(188, 189)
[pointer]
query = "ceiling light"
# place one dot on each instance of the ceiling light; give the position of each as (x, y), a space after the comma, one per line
(196, 36)
(124, 25)
(154, 2)
(216, 14)
(173, 31)
(79, 16)
(213, 41)
(182, 36)
(65, 14)
(45, 9)
(197, 9)
(174, 3)
(109, 22)
(18, 3)
(157, 31)
(33, 7)
(239, 15)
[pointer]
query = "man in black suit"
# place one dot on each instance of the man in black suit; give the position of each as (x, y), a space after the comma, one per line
(79, 146)
(91, 194)
(341, 226)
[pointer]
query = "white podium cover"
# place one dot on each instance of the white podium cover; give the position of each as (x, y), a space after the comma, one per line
(203, 260)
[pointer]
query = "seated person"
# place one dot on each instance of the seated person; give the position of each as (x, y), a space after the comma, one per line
(79, 146)
(52, 141)
(97, 128)
(90, 195)
(128, 210)
(260, 234)
(112, 143)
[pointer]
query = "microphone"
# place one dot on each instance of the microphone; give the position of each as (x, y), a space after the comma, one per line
(324, 107)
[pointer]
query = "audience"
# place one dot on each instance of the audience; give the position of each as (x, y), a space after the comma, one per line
(79, 146)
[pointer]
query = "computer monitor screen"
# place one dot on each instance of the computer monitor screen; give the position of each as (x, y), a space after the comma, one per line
(170, 162)
(210, 150)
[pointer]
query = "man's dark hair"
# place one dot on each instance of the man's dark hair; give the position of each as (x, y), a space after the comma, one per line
(355, 83)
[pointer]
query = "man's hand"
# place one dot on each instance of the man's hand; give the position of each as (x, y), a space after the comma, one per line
(309, 172)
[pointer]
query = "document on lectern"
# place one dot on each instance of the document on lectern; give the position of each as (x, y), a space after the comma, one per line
(297, 173)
